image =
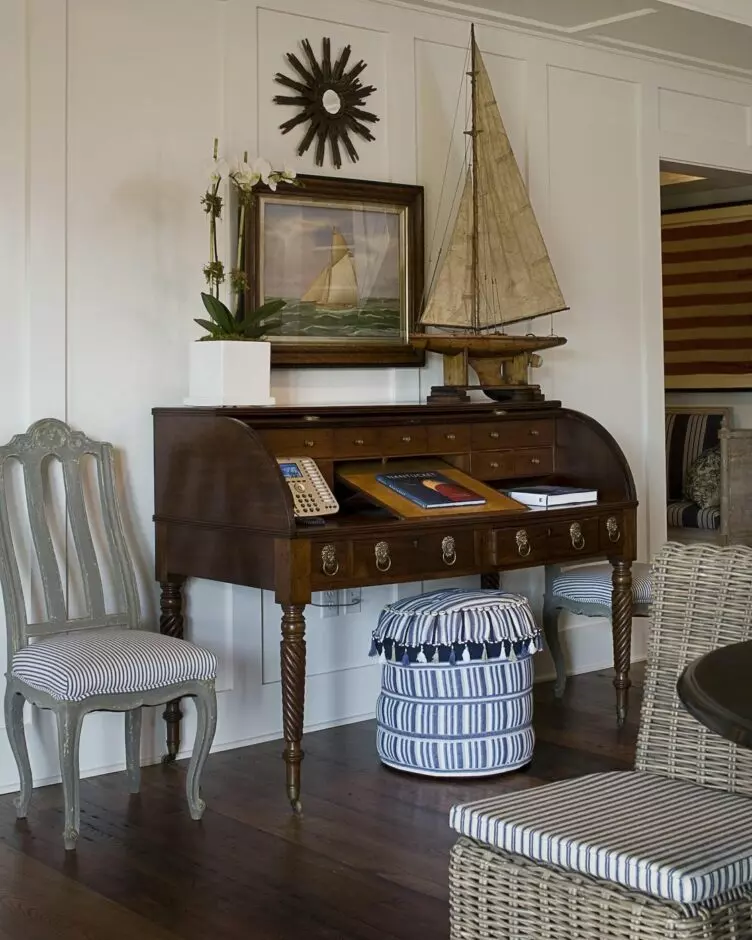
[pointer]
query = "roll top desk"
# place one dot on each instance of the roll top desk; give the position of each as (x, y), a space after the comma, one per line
(224, 512)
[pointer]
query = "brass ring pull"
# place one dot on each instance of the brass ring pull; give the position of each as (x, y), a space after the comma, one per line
(406, 438)
(612, 527)
(383, 558)
(575, 534)
(308, 443)
(329, 563)
(523, 543)
(448, 550)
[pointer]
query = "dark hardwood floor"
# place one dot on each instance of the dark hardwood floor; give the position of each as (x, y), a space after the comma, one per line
(366, 861)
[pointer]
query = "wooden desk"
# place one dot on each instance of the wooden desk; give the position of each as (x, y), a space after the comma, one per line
(224, 512)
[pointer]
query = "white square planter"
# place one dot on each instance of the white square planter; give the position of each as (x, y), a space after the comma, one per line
(230, 372)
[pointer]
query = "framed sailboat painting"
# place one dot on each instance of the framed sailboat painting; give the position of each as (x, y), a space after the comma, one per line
(346, 256)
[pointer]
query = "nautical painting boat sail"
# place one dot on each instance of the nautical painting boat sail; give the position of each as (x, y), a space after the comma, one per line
(336, 287)
(495, 269)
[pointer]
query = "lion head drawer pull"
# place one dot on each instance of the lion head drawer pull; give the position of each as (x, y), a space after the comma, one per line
(575, 534)
(448, 550)
(523, 543)
(612, 527)
(383, 558)
(329, 563)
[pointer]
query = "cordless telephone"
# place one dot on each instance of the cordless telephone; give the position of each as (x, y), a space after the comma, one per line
(310, 493)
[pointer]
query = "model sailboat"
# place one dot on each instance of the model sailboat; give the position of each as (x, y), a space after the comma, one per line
(495, 270)
(336, 287)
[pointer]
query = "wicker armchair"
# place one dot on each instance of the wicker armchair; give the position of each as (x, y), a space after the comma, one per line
(662, 852)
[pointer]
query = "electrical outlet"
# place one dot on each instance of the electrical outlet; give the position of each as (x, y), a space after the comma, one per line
(329, 604)
(350, 600)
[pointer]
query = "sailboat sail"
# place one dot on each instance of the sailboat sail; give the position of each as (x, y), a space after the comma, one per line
(514, 278)
(337, 284)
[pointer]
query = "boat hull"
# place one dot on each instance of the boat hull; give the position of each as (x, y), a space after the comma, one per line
(484, 347)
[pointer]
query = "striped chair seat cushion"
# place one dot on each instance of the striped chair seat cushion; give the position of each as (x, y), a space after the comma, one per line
(72, 666)
(592, 585)
(681, 514)
(454, 624)
(671, 839)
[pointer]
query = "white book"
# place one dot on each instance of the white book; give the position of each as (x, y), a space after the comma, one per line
(549, 496)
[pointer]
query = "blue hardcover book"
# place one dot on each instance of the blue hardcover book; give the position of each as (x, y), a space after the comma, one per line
(430, 489)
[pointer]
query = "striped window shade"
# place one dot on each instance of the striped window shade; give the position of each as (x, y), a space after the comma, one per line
(707, 298)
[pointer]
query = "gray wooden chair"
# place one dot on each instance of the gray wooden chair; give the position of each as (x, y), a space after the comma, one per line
(102, 660)
(585, 590)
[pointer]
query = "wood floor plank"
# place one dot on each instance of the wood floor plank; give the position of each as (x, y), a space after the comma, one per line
(367, 860)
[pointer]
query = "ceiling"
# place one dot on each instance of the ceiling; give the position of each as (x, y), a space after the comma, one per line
(648, 27)
(710, 186)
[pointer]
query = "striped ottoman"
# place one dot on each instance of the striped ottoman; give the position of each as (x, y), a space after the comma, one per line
(456, 691)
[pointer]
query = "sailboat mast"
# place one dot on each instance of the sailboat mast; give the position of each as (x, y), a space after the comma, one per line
(474, 307)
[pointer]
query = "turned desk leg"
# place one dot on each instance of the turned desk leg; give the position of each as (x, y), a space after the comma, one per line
(621, 626)
(293, 695)
(171, 624)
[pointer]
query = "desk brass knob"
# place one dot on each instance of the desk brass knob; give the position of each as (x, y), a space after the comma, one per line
(406, 438)
(309, 443)
(450, 437)
(534, 432)
(329, 563)
(494, 464)
(575, 534)
(383, 558)
(493, 434)
(535, 460)
(523, 543)
(359, 441)
(612, 527)
(448, 550)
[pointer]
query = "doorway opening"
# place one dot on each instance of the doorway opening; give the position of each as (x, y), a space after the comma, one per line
(706, 243)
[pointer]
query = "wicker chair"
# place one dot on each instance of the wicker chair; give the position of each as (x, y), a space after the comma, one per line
(687, 801)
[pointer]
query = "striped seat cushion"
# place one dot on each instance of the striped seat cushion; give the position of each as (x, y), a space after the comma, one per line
(592, 585)
(671, 839)
(456, 624)
(72, 666)
(681, 514)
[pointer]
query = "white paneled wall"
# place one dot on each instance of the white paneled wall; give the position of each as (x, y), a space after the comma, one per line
(107, 113)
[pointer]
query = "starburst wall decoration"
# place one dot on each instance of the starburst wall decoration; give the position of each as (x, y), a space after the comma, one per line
(331, 102)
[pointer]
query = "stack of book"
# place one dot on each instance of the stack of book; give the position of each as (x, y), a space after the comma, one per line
(552, 497)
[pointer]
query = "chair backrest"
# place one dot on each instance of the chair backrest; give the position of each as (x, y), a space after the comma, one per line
(702, 599)
(689, 431)
(52, 439)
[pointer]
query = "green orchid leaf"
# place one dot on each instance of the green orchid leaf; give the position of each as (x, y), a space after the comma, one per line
(266, 310)
(209, 326)
(218, 312)
(257, 330)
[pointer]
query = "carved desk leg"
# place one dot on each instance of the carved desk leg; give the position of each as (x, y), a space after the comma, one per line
(171, 624)
(293, 695)
(621, 626)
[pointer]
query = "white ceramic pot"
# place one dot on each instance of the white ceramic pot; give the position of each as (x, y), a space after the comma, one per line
(230, 372)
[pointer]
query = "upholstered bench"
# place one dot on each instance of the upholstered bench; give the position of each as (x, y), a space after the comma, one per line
(585, 590)
(456, 696)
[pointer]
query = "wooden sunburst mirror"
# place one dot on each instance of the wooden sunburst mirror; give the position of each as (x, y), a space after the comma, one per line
(330, 100)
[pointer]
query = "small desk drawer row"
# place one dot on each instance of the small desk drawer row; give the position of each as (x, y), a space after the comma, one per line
(453, 550)
(338, 443)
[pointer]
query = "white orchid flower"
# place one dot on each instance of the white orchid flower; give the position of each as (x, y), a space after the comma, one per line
(263, 168)
(288, 173)
(244, 176)
(217, 170)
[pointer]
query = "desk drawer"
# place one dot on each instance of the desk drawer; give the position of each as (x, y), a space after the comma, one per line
(405, 440)
(539, 543)
(504, 464)
(404, 558)
(449, 439)
(309, 442)
(357, 442)
(502, 434)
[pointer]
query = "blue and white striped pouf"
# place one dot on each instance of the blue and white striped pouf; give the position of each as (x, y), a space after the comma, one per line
(456, 690)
